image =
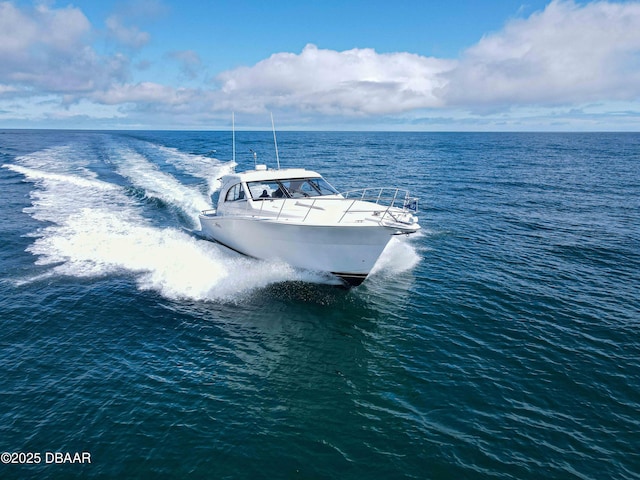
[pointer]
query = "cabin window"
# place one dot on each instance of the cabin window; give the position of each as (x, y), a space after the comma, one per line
(235, 193)
(291, 188)
(308, 187)
(264, 190)
(319, 186)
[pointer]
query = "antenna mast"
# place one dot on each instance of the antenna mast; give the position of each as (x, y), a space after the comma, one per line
(275, 142)
(233, 135)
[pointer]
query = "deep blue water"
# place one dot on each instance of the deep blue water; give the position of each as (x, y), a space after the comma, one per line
(501, 342)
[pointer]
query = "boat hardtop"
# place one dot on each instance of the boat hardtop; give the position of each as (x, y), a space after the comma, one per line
(261, 172)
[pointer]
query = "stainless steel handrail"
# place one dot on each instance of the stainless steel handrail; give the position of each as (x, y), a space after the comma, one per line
(381, 196)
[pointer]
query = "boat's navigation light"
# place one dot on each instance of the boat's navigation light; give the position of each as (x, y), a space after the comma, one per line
(255, 158)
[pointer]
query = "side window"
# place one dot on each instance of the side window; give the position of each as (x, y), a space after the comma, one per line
(235, 193)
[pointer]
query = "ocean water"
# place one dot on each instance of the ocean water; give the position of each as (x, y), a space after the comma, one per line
(501, 342)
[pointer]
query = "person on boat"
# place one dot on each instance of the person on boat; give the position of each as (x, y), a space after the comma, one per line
(265, 194)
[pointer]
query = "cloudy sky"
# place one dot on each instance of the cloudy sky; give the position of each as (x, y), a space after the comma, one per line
(345, 65)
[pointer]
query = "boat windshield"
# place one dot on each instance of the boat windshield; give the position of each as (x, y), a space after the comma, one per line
(291, 188)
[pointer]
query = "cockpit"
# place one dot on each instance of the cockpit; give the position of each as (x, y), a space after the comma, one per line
(290, 188)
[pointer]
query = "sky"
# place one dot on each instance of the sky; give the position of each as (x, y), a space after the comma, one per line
(405, 65)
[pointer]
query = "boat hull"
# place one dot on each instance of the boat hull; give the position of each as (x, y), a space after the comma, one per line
(347, 251)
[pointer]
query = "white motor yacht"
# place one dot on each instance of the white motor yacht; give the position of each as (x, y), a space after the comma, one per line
(296, 216)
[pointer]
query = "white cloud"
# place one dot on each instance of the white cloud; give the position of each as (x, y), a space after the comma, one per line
(567, 53)
(60, 30)
(188, 60)
(143, 92)
(44, 50)
(128, 36)
(358, 81)
(8, 89)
